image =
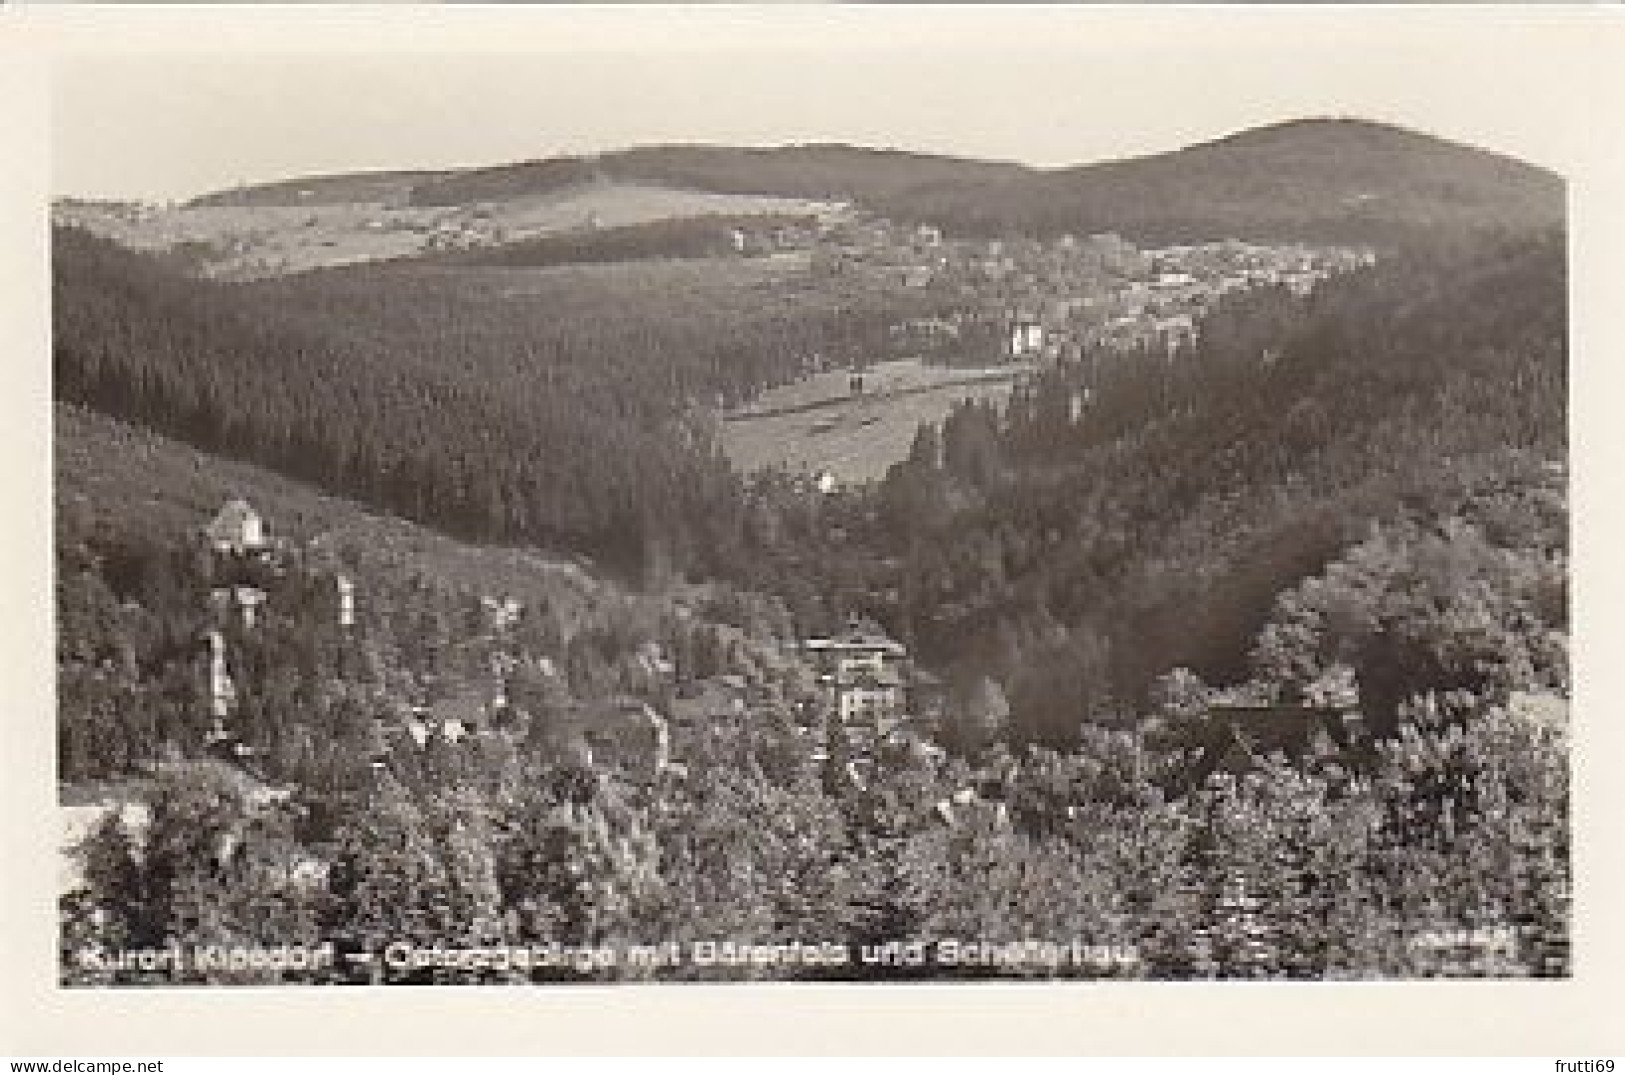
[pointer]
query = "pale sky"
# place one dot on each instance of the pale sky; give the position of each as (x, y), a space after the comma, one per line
(1045, 86)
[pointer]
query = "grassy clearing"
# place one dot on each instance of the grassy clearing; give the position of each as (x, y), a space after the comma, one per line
(817, 424)
(249, 241)
(125, 471)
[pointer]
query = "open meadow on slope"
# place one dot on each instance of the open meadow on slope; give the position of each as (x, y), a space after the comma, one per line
(257, 240)
(818, 424)
(112, 469)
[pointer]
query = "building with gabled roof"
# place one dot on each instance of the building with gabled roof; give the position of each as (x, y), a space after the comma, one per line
(457, 714)
(237, 529)
(860, 670)
(1238, 738)
(622, 735)
(862, 638)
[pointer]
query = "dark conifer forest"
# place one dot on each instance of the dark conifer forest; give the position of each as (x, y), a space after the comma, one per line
(478, 400)
(1345, 504)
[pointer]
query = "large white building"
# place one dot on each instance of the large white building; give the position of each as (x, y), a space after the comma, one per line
(861, 672)
(1026, 338)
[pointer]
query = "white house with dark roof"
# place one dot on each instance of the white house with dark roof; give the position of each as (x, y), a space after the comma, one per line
(238, 528)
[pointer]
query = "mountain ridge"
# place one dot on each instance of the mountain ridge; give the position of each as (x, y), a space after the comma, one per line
(1333, 178)
(1315, 175)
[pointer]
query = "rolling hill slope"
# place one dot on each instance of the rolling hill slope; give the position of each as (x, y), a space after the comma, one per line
(345, 188)
(1332, 178)
(113, 470)
(1344, 178)
(855, 173)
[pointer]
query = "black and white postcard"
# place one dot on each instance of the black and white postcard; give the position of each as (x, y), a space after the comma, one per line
(700, 501)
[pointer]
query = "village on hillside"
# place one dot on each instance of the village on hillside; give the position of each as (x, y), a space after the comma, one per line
(860, 703)
(1008, 310)
(1037, 299)
(1012, 299)
(857, 689)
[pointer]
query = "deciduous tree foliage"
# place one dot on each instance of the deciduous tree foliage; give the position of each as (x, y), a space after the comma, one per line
(1460, 826)
(1157, 526)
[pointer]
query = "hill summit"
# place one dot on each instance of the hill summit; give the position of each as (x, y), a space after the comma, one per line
(1342, 178)
(1325, 177)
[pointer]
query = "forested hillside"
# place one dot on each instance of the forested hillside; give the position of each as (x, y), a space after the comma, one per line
(683, 237)
(507, 405)
(509, 856)
(1340, 179)
(138, 589)
(869, 176)
(1127, 514)
(1240, 652)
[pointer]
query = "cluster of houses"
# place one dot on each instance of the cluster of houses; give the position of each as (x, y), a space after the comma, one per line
(1019, 299)
(863, 686)
(864, 244)
(1182, 283)
(773, 236)
(78, 212)
(875, 697)
(1031, 300)
(460, 229)
(246, 559)
(1057, 307)
(623, 735)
